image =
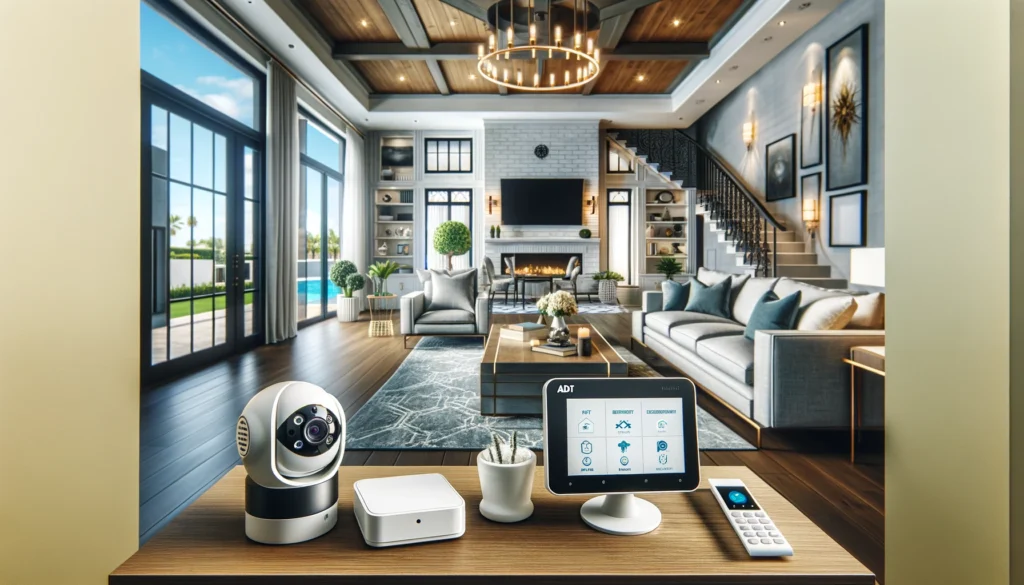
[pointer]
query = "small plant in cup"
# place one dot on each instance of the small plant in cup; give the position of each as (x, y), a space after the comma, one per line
(506, 480)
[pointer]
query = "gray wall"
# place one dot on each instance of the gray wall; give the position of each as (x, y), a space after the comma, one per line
(772, 99)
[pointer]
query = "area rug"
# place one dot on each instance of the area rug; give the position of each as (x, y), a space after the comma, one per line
(433, 402)
(586, 308)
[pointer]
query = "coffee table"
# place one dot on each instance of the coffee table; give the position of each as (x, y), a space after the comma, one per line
(512, 376)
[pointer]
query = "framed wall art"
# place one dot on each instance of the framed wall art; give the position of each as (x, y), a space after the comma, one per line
(780, 169)
(847, 220)
(846, 111)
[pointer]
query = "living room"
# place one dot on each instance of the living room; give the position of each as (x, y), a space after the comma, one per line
(424, 211)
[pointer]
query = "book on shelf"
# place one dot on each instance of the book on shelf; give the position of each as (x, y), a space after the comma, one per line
(524, 336)
(525, 326)
(569, 350)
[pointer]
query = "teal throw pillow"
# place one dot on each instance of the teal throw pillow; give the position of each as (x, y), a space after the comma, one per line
(674, 295)
(773, 314)
(710, 300)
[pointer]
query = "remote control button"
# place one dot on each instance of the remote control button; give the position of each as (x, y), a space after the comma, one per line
(774, 534)
(779, 541)
(759, 514)
(766, 541)
(748, 533)
(767, 527)
(759, 533)
(748, 514)
(737, 514)
(754, 522)
(741, 521)
(752, 540)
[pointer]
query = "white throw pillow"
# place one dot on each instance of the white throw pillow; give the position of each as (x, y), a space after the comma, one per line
(828, 314)
(870, 312)
(744, 302)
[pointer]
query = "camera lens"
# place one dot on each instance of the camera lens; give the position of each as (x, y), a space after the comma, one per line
(315, 431)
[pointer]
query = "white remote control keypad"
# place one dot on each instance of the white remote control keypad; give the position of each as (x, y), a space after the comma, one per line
(755, 529)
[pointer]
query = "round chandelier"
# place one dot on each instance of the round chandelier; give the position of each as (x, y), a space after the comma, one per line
(519, 63)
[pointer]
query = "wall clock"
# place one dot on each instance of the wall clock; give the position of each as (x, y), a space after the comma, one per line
(541, 151)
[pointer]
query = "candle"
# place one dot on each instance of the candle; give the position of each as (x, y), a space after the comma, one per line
(534, 342)
(583, 332)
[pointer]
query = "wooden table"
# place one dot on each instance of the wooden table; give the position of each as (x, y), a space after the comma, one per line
(206, 544)
(512, 376)
(867, 359)
(380, 323)
(525, 278)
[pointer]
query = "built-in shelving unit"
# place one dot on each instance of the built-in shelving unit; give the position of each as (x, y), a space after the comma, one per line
(393, 237)
(665, 214)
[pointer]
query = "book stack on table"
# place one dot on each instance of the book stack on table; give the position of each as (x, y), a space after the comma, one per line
(524, 332)
(559, 350)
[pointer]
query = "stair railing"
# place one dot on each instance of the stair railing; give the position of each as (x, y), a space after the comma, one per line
(726, 198)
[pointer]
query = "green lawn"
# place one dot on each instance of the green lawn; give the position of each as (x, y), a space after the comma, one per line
(204, 305)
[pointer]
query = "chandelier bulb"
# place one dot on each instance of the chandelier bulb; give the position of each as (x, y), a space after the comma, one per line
(533, 32)
(579, 41)
(505, 75)
(558, 34)
(536, 80)
(490, 41)
(597, 55)
(567, 77)
(511, 36)
(480, 52)
(519, 77)
(552, 83)
(590, 46)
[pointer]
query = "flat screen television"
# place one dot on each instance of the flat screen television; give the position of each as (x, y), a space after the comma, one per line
(542, 201)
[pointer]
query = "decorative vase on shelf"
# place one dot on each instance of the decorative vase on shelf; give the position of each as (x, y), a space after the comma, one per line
(650, 231)
(383, 249)
(559, 332)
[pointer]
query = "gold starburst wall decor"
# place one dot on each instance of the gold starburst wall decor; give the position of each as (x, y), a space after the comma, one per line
(844, 113)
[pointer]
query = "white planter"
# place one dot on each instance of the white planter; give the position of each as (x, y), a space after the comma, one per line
(506, 489)
(348, 308)
(606, 291)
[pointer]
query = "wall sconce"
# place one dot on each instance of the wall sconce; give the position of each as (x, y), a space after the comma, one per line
(491, 204)
(812, 95)
(592, 204)
(749, 134)
(810, 215)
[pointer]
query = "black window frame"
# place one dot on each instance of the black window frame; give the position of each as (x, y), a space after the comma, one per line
(461, 171)
(449, 204)
(608, 163)
(629, 225)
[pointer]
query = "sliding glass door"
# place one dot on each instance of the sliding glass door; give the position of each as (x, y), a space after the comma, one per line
(322, 181)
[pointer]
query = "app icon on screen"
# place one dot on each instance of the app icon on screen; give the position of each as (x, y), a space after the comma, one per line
(737, 497)
(623, 445)
(662, 446)
(587, 447)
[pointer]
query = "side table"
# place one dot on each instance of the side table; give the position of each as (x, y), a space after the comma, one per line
(867, 359)
(381, 310)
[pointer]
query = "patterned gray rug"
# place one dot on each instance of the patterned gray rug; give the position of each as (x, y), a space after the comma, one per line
(433, 402)
(586, 307)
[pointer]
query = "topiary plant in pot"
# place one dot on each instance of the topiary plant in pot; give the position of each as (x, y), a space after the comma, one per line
(346, 277)
(607, 286)
(452, 238)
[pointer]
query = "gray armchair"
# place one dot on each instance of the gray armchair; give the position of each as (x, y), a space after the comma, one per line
(497, 284)
(449, 314)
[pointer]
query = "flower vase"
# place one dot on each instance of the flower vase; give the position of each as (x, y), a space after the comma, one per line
(559, 332)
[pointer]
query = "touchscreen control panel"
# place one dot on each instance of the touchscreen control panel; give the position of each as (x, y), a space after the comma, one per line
(624, 436)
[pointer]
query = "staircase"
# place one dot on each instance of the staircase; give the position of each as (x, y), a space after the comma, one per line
(751, 240)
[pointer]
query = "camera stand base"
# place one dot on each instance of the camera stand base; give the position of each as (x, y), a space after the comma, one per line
(290, 530)
(621, 514)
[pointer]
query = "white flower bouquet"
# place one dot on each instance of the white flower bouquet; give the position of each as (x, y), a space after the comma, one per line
(558, 304)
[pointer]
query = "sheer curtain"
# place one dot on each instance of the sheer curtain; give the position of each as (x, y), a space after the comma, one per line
(436, 215)
(354, 214)
(461, 213)
(282, 205)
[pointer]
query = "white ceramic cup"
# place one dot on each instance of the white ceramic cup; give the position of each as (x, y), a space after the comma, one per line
(506, 489)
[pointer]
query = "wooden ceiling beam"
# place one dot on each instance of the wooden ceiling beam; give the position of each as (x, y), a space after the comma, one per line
(624, 7)
(469, 7)
(406, 21)
(608, 38)
(689, 51)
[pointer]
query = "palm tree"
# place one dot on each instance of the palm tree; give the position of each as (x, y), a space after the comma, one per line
(192, 221)
(333, 244)
(312, 245)
(174, 224)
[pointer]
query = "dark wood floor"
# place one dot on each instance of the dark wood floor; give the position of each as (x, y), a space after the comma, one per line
(187, 432)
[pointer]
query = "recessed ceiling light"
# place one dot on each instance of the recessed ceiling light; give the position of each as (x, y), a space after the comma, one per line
(452, 22)
(782, 23)
(641, 77)
(680, 118)
(718, 81)
(364, 23)
(734, 68)
(472, 75)
(676, 22)
(401, 78)
(768, 39)
(415, 121)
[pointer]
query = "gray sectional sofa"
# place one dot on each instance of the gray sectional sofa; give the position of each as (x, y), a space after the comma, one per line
(781, 379)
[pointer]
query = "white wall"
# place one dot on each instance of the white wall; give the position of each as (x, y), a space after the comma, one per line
(69, 358)
(772, 98)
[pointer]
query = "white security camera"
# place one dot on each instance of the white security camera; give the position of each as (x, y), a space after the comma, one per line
(291, 438)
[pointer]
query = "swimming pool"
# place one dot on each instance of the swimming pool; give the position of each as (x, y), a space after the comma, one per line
(310, 289)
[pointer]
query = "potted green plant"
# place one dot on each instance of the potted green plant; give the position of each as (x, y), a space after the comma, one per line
(379, 272)
(492, 231)
(452, 238)
(585, 233)
(607, 286)
(669, 267)
(497, 231)
(345, 276)
(506, 480)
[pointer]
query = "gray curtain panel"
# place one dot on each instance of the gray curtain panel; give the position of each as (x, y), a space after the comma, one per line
(354, 214)
(282, 206)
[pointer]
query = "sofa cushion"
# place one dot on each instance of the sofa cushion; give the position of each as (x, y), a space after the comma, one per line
(572, 264)
(710, 300)
(456, 291)
(663, 321)
(870, 313)
(808, 292)
(676, 295)
(446, 317)
(773, 313)
(688, 335)
(748, 296)
(829, 314)
(733, 355)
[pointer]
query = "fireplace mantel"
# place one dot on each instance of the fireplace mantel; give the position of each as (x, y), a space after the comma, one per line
(541, 240)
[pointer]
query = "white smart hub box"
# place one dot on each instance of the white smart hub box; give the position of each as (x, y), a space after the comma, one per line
(407, 509)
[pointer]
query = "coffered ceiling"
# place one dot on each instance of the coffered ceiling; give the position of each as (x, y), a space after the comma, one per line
(429, 46)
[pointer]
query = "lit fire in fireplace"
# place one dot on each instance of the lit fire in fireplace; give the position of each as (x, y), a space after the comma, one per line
(538, 270)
